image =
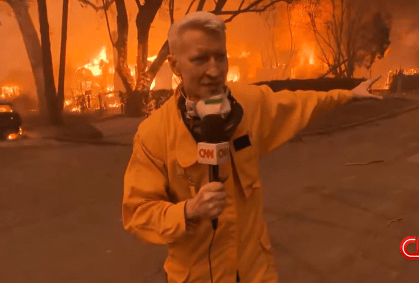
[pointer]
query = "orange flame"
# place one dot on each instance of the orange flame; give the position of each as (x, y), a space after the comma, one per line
(9, 92)
(94, 65)
(233, 74)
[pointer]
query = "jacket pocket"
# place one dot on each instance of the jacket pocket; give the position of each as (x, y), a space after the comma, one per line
(175, 272)
(246, 162)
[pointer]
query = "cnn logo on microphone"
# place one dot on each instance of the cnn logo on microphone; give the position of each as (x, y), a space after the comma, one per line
(411, 240)
(213, 153)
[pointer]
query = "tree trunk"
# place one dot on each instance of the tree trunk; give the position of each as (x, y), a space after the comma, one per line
(51, 95)
(145, 16)
(61, 76)
(158, 62)
(133, 101)
(121, 45)
(33, 48)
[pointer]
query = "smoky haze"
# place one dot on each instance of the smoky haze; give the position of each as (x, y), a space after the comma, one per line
(87, 34)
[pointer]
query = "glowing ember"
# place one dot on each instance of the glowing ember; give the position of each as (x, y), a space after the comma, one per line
(153, 84)
(233, 74)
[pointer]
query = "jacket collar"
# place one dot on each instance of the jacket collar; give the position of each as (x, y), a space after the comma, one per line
(186, 145)
(186, 149)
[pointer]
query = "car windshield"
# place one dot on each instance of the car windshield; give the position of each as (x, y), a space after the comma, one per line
(5, 108)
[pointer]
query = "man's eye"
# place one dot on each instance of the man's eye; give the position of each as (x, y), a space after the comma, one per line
(199, 59)
(221, 57)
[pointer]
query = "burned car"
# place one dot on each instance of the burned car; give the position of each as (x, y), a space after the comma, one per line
(10, 122)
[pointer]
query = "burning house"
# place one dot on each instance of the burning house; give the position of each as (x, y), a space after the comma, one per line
(259, 50)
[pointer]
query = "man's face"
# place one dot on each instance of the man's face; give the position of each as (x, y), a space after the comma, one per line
(201, 62)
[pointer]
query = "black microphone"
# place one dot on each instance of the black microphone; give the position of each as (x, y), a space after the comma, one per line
(214, 148)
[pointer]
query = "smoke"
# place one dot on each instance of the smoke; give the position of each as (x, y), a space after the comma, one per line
(248, 33)
(404, 36)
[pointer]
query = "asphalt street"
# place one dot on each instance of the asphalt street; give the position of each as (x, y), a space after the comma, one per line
(331, 218)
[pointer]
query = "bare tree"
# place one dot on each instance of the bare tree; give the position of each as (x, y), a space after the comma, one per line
(54, 114)
(292, 44)
(346, 35)
(139, 93)
(61, 75)
(32, 46)
(255, 6)
(136, 90)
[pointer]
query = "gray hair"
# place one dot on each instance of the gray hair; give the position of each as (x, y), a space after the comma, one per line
(205, 21)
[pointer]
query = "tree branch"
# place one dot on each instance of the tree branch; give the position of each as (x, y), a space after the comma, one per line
(200, 5)
(95, 7)
(249, 9)
(107, 24)
(138, 3)
(241, 5)
(220, 5)
(190, 6)
(171, 11)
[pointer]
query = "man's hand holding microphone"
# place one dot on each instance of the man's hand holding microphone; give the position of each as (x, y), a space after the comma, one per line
(210, 200)
(208, 203)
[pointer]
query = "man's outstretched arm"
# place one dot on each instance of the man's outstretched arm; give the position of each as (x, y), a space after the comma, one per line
(281, 115)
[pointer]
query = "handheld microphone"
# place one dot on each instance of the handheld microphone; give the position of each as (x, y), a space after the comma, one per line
(215, 148)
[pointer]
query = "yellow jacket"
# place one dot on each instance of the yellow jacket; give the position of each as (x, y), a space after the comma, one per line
(163, 173)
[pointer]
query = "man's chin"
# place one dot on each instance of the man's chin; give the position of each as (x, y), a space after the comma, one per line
(214, 90)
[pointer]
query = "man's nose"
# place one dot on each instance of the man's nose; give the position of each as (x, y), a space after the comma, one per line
(214, 69)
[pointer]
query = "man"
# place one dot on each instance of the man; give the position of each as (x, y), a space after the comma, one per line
(168, 198)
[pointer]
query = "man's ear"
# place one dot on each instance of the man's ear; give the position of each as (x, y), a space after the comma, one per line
(173, 64)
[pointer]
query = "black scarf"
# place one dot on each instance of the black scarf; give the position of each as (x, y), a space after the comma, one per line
(194, 125)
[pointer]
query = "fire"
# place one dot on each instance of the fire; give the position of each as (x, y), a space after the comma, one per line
(152, 58)
(411, 72)
(5, 108)
(307, 54)
(244, 54)
(391, 74)
(8, 92)
(233, 74)
(114, 105)
(133, 70)
(76, 109)
(95, 65)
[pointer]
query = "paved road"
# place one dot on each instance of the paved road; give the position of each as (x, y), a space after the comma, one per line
(60, 217)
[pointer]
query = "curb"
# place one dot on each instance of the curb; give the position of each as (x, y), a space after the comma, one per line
(63, 139)
(298, 136)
